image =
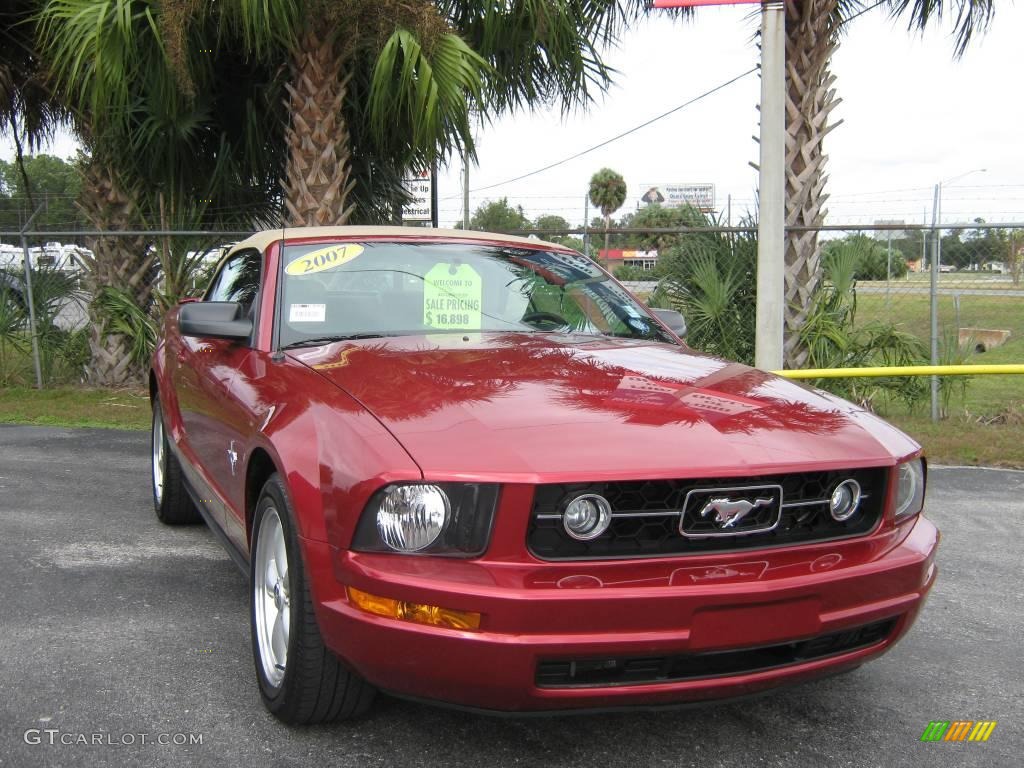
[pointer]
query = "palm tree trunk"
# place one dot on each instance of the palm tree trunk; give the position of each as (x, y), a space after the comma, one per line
(317, 179)
(607, 224)
(811, 38)
(118, 262)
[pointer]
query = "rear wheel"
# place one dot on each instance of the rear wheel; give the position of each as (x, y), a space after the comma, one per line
(300, 680)
(170, 499)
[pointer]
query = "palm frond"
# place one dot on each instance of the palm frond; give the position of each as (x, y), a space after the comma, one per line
(973, 17)
(126, 318)
(430, 93)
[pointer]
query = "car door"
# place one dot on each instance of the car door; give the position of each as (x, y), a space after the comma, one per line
(214, 421)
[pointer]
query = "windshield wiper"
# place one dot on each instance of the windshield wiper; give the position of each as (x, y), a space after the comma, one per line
(330, 339)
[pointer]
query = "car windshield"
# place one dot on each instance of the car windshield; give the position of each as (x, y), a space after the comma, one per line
(367, 289)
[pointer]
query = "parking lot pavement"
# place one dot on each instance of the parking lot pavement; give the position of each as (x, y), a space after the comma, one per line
(115, 627)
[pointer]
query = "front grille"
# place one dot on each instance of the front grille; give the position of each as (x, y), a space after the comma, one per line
(646, 515)
(582, 673)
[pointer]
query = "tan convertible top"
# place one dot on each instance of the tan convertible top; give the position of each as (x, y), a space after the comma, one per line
(261, 240)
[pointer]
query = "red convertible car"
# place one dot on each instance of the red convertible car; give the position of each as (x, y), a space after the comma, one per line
(473, 469)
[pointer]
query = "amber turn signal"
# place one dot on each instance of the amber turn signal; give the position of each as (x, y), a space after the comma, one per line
(417, 612)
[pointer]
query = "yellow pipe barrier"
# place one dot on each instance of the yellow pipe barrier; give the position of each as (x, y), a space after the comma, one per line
(901, 370)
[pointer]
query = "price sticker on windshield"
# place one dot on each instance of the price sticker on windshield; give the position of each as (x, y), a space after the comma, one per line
(452, 297)
(323, 259)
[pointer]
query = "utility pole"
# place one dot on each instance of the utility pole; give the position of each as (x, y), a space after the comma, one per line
(433, 195)
(586, 225)
(771, 234)
(934, 307)
(31, 300)
(888, 274)
(465, 191)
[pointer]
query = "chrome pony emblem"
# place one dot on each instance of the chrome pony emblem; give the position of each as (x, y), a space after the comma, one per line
(728, 512)
(735, 511)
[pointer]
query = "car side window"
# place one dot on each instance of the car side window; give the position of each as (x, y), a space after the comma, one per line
(238, 280)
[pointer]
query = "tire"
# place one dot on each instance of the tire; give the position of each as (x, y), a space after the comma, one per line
(170, 499)
(300, 680)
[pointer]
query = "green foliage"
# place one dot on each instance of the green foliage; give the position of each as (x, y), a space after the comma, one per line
(656, 216)
(498, 216)
(167, 98)
(571, 241)
(953, 388)
(711, 279)
(62, 352)
(632, 273)
(13, 339)
(607, 191)
(550, 221)
(833, 339)
(52, 183)
(553, 222)
(123, 316)
(870, 258)
(429, 92)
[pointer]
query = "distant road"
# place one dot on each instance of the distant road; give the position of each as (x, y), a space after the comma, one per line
(903, 289)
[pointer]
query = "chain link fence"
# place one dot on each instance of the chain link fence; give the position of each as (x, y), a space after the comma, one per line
(874, 305)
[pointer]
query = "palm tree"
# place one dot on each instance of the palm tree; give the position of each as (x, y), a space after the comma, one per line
(373, 88)
(403, 77)
(813, 30)
(607, 193)
(164, 148)
(27, 109)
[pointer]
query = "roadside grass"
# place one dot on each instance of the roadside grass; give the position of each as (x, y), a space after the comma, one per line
(75, 407)
(985, 395)
(964, 440)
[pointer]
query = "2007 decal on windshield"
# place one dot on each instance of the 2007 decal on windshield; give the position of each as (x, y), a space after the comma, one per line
(323, 259)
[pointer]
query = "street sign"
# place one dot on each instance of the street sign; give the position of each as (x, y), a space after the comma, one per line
(420, 208)
(700, 196)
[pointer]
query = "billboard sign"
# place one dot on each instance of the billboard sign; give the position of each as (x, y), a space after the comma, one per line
(417, 184)
(701, 196)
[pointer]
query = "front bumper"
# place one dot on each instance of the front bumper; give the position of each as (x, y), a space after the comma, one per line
(535, 613)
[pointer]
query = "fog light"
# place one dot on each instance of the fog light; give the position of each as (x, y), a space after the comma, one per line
(587, 517)
(411, 517)
(845, 500)
(416, 612)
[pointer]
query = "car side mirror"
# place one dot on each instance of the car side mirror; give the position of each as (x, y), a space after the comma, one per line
(674, 320)
(215, 320)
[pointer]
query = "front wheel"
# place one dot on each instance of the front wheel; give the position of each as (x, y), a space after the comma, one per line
(300, 680)
(170, 498)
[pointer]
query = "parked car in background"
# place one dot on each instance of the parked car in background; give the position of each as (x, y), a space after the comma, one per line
(12, 289)
(471, 468)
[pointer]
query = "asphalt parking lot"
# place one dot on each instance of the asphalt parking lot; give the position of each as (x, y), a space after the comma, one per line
(116, 625)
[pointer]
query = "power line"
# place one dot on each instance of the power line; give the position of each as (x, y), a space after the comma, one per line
(654, 119)
(694, 100)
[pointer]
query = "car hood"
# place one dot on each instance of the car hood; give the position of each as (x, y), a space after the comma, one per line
(533, 407)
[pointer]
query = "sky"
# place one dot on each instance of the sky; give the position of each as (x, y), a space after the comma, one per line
(912, 116)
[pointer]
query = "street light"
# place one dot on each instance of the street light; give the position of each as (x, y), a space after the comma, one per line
(935, 266)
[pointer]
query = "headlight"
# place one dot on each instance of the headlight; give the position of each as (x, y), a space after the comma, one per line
(909, 488)
(428, 518)
(411, 517)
